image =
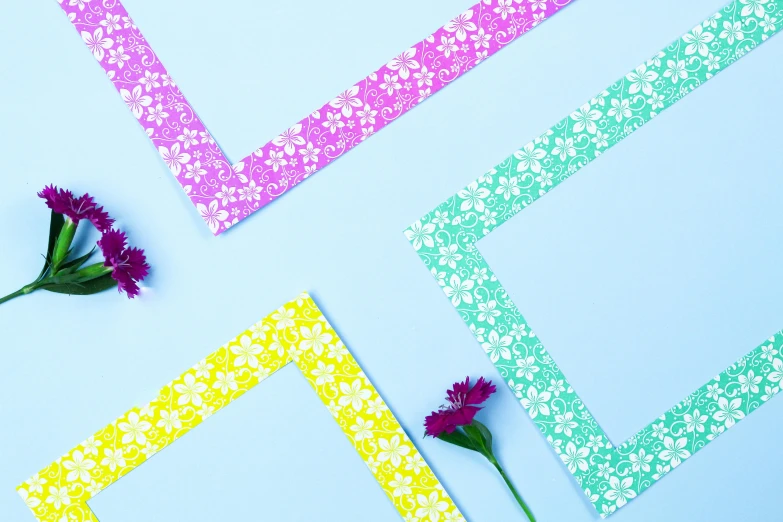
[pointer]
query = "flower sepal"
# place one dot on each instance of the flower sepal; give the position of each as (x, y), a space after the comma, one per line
(480, 436)
(69, 267)
(458, 438)
(62, 245)
(56, 223)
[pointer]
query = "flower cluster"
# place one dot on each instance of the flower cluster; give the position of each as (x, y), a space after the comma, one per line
(123, 266)
(128, 265)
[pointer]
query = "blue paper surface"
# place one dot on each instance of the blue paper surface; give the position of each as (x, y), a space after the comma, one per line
(339, 238)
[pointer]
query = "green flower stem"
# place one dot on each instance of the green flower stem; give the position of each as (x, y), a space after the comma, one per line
(22, 291)
(87, 273)
(477, 437)
(513, 489)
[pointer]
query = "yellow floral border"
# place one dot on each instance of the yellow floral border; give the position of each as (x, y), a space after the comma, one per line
(298, 332)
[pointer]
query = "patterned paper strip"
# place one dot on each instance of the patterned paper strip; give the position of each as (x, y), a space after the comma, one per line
(296, 332)
(225, 194)
(445, 239)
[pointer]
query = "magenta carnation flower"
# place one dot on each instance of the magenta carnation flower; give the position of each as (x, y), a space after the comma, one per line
(462, 406)
(455, 423)
(65, 272)
(63, 202)
(128, 264)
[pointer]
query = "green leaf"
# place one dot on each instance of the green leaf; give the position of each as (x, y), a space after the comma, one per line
(55, 226)
(485, 433)
(475, 436)
(75, 264)
(458, 439)
(90, 287)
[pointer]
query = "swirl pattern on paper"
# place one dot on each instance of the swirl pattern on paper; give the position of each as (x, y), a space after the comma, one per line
(445, 239)
(224, 193)
(298, 332)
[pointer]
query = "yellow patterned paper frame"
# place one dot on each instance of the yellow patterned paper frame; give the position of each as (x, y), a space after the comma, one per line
(298, 332)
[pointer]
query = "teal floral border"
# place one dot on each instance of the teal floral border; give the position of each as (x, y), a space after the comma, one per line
(445, 239)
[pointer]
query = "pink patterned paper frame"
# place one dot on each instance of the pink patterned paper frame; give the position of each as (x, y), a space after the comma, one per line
(224, 193)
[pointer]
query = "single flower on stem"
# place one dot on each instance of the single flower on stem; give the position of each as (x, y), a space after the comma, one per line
(128, 264)
(455, 423)
(123, 267)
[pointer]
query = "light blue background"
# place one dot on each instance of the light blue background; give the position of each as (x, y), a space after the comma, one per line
(680, 251)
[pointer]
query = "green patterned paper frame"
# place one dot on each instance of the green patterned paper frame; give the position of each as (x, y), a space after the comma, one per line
(445, 239)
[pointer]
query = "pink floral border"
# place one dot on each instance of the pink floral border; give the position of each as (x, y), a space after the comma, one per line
(224, 193)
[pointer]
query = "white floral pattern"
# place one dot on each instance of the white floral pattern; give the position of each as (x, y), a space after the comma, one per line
(60, 491)
(314, 142)
(445, 239)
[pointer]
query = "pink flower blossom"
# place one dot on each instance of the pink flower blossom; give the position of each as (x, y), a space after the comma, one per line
(129, 265)
(462, 406)
(454, 423)
(65, 272)
(63, 202)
